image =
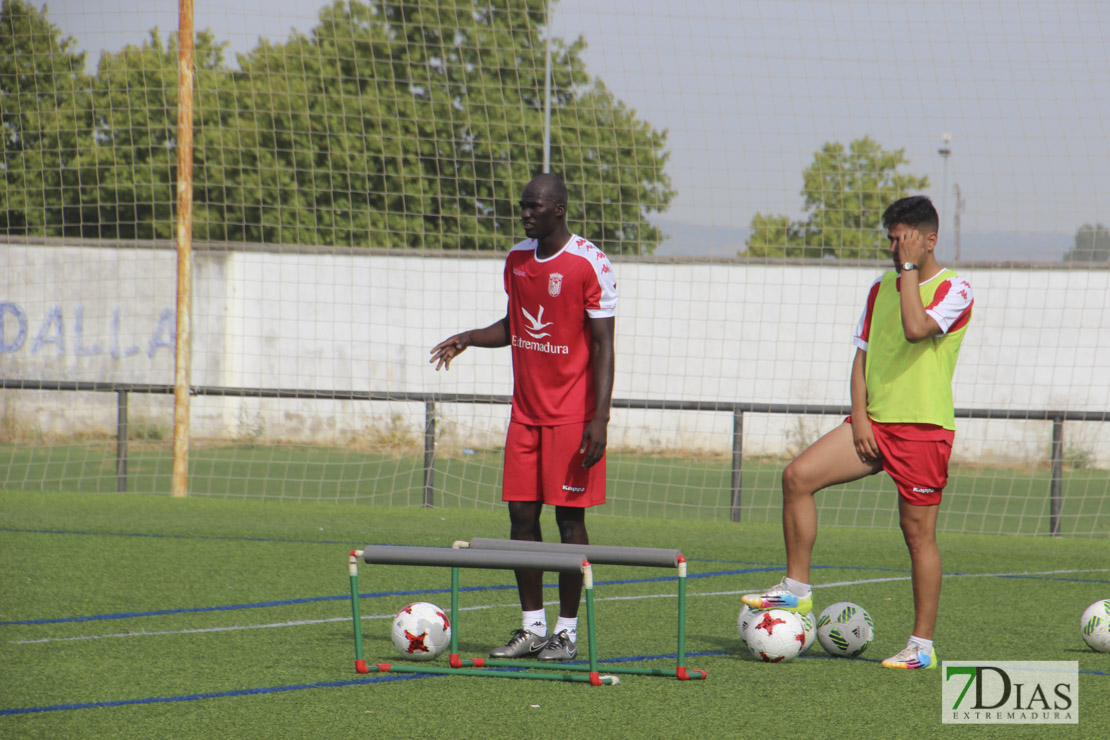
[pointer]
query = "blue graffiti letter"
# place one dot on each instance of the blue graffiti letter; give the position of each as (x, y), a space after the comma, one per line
(117, 353)
(167, 325)
(78, 334)
(21, 321)
(53, 319)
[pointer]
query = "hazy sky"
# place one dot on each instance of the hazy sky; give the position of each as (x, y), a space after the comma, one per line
(749, 90)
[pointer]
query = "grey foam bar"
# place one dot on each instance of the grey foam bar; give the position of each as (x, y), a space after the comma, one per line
(604, 554)
(564, 560)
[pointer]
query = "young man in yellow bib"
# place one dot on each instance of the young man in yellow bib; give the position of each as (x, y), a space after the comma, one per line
(902, 421)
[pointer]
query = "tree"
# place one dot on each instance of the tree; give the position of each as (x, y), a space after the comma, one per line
(43, 121)
(127, 178)
(845, 191)
(397, 124)
(1092, 244)
(388, 124)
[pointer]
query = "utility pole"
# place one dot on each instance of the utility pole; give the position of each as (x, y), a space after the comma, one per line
(944, 151)
(956, 218)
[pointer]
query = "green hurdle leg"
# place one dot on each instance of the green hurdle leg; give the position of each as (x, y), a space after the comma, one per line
(591, 626)
(356, 618)
(454, 611)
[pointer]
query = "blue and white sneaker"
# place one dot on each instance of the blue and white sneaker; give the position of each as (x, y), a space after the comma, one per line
(912, 656)
(779, 597)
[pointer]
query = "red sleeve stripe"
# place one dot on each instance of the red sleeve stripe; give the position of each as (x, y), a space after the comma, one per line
(942, 291)
(871, 296)
(963, 320)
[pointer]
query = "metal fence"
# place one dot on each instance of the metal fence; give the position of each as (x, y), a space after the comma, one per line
(737, 408)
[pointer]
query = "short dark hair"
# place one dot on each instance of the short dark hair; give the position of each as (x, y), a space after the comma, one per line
(916, 211)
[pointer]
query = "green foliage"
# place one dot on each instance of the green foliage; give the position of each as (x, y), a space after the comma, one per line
(44, 122)
(1092, 244)
(388, 124)
(845, 191)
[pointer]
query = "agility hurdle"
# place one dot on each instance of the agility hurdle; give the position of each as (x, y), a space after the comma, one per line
(565, 561)
(608, 555)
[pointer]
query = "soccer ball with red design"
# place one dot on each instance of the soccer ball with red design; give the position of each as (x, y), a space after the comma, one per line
(1095, 626)
(421, 631)
(845, 629)
(775, 636)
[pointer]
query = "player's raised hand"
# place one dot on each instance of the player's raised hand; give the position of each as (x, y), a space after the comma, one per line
(911, 246)
(449, 349)
(593, 442)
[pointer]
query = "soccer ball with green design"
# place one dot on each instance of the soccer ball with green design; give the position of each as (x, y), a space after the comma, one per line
(845, 629)
(1094, 625)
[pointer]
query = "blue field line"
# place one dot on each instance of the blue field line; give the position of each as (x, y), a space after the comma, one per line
(258, 605)
(341, 597)
(373, 680)
(218, 694)
(426, 592)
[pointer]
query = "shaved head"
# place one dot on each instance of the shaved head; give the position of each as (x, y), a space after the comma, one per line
(549, 185)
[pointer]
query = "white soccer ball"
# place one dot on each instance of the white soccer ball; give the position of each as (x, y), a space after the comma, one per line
(421, 631)
(775, 636)
(845, 629)
(747, 614)
(809, 622)
(1095, 626)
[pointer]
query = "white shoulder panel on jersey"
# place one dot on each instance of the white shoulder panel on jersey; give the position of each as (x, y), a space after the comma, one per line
(603, 270)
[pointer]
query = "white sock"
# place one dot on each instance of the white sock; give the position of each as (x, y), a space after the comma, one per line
(570, 624)
(535, 622)
(926, 645)
(796, 587)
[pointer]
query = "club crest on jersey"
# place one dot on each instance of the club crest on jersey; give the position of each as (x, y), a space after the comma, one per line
(554, 284)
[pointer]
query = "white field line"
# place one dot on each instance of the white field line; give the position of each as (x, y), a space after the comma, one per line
(303, 622)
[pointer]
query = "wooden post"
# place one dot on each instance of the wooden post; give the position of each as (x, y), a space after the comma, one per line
(184, 248)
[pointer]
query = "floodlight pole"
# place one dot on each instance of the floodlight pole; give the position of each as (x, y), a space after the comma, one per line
(956, 218)
(547, 90)
(944, 152)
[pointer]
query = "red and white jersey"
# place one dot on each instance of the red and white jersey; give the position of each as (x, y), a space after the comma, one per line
(550, 301)
(950, 307)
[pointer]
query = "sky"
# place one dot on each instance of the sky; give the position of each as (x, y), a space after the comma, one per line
(749, 90)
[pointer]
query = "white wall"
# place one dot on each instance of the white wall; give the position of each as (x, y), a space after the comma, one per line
(1039, 338)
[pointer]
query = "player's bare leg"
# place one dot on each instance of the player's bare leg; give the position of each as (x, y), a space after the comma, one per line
(524, 524)
(531, 639)
(830, 460)
(919, 527)
(572, 531)
(563, 644)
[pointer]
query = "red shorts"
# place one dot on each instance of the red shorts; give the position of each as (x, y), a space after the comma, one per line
(916, 457)
(542, 463)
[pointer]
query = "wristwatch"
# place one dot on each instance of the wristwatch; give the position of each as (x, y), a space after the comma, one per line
(908, 266)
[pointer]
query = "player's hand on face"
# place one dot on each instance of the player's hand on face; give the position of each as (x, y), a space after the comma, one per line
(449, 349)
(911, 246)
(593, 443)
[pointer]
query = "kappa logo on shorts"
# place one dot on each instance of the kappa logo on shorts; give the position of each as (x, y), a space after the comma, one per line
(573, 489)
(924, 490)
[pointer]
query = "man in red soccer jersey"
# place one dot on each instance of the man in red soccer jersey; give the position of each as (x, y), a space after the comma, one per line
(907, 343)
(559, 322)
